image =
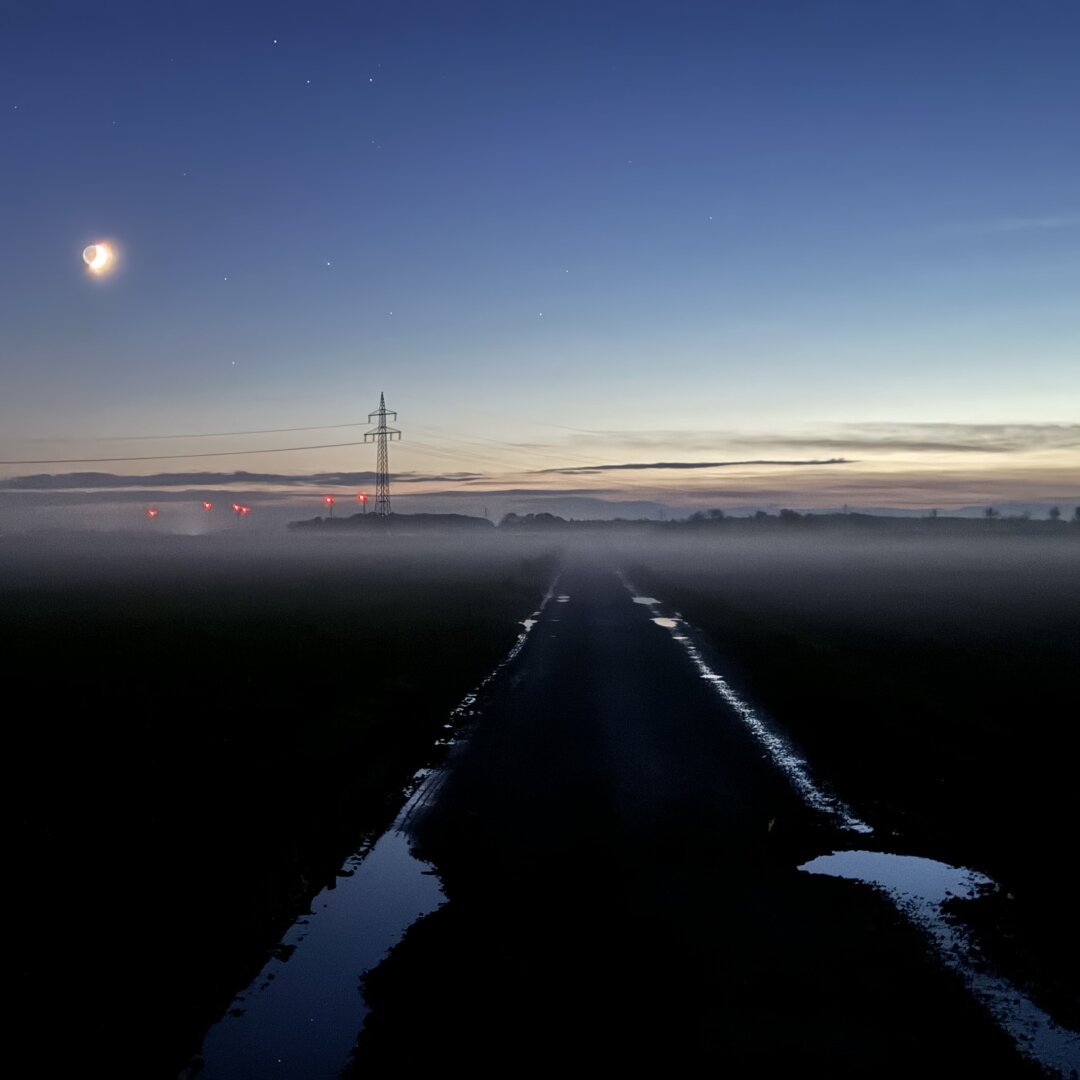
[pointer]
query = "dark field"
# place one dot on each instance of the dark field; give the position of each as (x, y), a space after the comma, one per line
(199, 731)
(934, 685)
(202, 729)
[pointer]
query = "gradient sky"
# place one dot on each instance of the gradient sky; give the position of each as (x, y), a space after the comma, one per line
(557, 235)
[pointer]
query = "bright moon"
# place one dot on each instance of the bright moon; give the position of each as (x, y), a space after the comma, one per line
(98, 257)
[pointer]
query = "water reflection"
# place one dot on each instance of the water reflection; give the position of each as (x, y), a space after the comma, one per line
(300, 1018)
(920, 887)
(782, 754)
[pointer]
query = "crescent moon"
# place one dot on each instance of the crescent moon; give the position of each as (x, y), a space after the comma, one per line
(97, 257)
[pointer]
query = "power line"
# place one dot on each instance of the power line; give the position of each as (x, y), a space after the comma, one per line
(193, 434)
(536, 454)
(169, 457)
(221, 434)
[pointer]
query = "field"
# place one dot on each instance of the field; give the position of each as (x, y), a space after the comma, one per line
(203, 729)
(933, 684)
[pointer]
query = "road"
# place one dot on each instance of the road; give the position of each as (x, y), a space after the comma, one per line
(620, 856)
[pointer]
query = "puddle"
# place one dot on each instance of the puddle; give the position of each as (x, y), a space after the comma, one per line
(919, 887)
(908, 875)
(301, 1016)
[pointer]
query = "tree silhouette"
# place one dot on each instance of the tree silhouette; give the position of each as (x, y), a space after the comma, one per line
(1054, 513)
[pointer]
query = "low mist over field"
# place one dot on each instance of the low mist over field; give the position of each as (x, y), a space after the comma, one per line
(218, 721)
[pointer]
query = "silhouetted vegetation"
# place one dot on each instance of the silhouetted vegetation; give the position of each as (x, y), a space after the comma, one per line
(398, 524)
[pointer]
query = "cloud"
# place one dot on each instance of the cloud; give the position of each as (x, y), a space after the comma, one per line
(537, 491)
(112, 481)
(930, 438)
(685, 465)
(855, 438)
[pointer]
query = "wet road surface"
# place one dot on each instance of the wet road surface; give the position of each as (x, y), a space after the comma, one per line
(620, 856)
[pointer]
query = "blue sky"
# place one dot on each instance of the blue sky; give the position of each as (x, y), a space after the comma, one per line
(555, 235)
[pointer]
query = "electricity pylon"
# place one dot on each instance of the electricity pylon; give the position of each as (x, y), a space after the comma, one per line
(381, 435)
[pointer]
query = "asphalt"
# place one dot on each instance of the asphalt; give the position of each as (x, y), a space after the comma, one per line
(620, 857)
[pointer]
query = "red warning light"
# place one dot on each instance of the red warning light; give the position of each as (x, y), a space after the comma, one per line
(151, 512)
(243, 511)
(208, 506)
(362, 497)
(329, 500)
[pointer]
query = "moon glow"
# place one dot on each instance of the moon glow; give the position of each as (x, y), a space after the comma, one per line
(98, 257)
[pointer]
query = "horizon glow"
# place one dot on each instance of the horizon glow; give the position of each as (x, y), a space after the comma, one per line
(620, 235)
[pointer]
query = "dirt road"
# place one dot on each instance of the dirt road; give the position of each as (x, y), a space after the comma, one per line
(621, 860)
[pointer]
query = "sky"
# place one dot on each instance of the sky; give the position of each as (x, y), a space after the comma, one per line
(800, 253)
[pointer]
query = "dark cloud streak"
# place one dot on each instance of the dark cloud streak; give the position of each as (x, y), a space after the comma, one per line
(575, 469)
(82, 481)
(931, 438)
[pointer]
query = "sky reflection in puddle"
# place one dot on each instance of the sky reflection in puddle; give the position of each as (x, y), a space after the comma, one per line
(919, 887)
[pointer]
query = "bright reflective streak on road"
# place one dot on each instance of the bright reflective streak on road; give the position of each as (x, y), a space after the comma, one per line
(919, 887)
(785, 758)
